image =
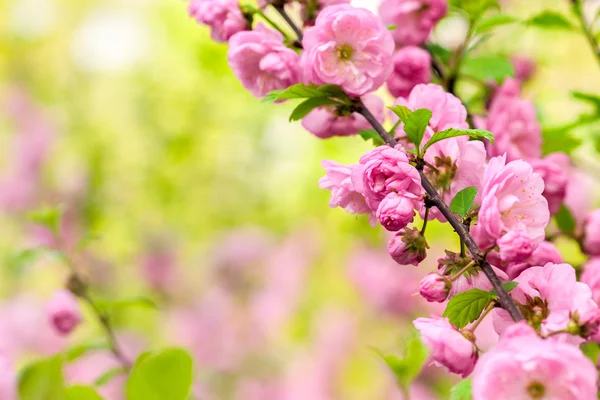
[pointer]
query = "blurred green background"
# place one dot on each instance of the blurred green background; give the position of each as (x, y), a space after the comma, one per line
(155, 144)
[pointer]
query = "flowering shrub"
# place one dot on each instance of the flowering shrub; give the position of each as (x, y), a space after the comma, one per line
(459, 143)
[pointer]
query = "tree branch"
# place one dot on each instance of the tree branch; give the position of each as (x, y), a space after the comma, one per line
(281, 10)
(503, 298)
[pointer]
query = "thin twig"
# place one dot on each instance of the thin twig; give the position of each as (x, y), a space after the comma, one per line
(281, 10)
(577, 9)
(482, 316)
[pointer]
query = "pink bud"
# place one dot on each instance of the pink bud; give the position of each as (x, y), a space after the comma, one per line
(589, 323)
(408, 246)
(515, 246)
(395, 212)
(63, 312)
(412, 65)
(435, 287)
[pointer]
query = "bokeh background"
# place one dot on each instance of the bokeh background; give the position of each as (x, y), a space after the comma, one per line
(188, 191)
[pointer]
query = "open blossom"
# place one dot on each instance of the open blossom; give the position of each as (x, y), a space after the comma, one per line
(435, 287)
(343, 193)
(63, 312)
(517, 132)
(224, 17)
(554, 171)
(349, 47)
(516, 246)
(412, 65)
(524, 366)
(446, 345)
(511, 198)
(447, 111)
(591, 277)
(551, 294)
(545, 252)
(261, 61)
(327, 121)
(384, 170)
(414, 19)
(591, 238)
(408, 247)
(396, 211)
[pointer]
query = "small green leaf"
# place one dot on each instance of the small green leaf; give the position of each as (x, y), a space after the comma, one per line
(301, 91)
(591, 351)
(77, 351)
(43, 380)
(163, 375)
(50, 217)
(371, 134)
(401, 111)
(462, 390)
(483, 68)
(476, 134)
(439, 52)
(508, 286)
(416, 124)
(408, 367)
(588, 98)
(82, 393)
(308, 105)
(550, 20)
(493, 21)
(466, 307)
(565, 220)
(462, 202)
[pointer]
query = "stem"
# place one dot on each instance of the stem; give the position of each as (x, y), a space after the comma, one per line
(425, 219)
(281, 10)
(272, 23)
(586, 29)
(462, 271)
(505, 300)
(483, 315)
(462, 247)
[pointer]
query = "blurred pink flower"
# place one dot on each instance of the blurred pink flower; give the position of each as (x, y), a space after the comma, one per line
(224, 17)
(158, 267)
(524, 65)
(8, 379)
(349, 47)
(591, 238)
(591, 277)
(63, 312)
(414, 19)
(554, 170)
(412, 66)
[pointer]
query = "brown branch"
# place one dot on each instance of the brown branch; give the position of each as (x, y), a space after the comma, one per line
(281, 10)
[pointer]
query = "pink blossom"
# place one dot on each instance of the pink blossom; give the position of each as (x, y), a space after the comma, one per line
(327, 121)
(8, 379)
(511, 198)
(579, 199)
(515, 246)
(309, 12)
(343, 192)
(261, 61)
(396, 211)
(158, 267)
(524, 66)
(435, 287)
(408, 247)
(349, 47)
(524, 366)
(63, 312)
(591, 277)
(414, 19)
(384, 286)
(224, 17)
(384, 170)
(591, 238)
(446, 345)
(545, 253)
(412, 66)
(517, 132)
(553, 294)
(553, 171)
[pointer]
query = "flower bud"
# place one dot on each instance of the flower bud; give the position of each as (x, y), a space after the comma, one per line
(589, 323)
(63, 312)
(395, 212)
(408, 246)
(435, 287)
(515, 246)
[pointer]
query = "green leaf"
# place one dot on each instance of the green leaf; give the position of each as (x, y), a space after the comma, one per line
(415, 125)
(27, 257)
(591, 351)
(308, 105)
(483, 68)
(462, 202)
(301, 91)
(508, 286)
(559, 139)
(112, 306)
(371, 134)
(466, 307)
(82, 393)
(408, 367)
(493, 21)
(163, 375)
(401, 111)
(565, 220)
(588, 98)
(50, 217)
(43, 380)
(462, 390)
(439, 52)
(549, 20)
(392, 27)
(77, 351)
(477, 134)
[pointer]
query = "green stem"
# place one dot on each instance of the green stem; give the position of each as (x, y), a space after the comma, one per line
(577, 9)
(462, 271)
(425, 219)
(489, 308)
